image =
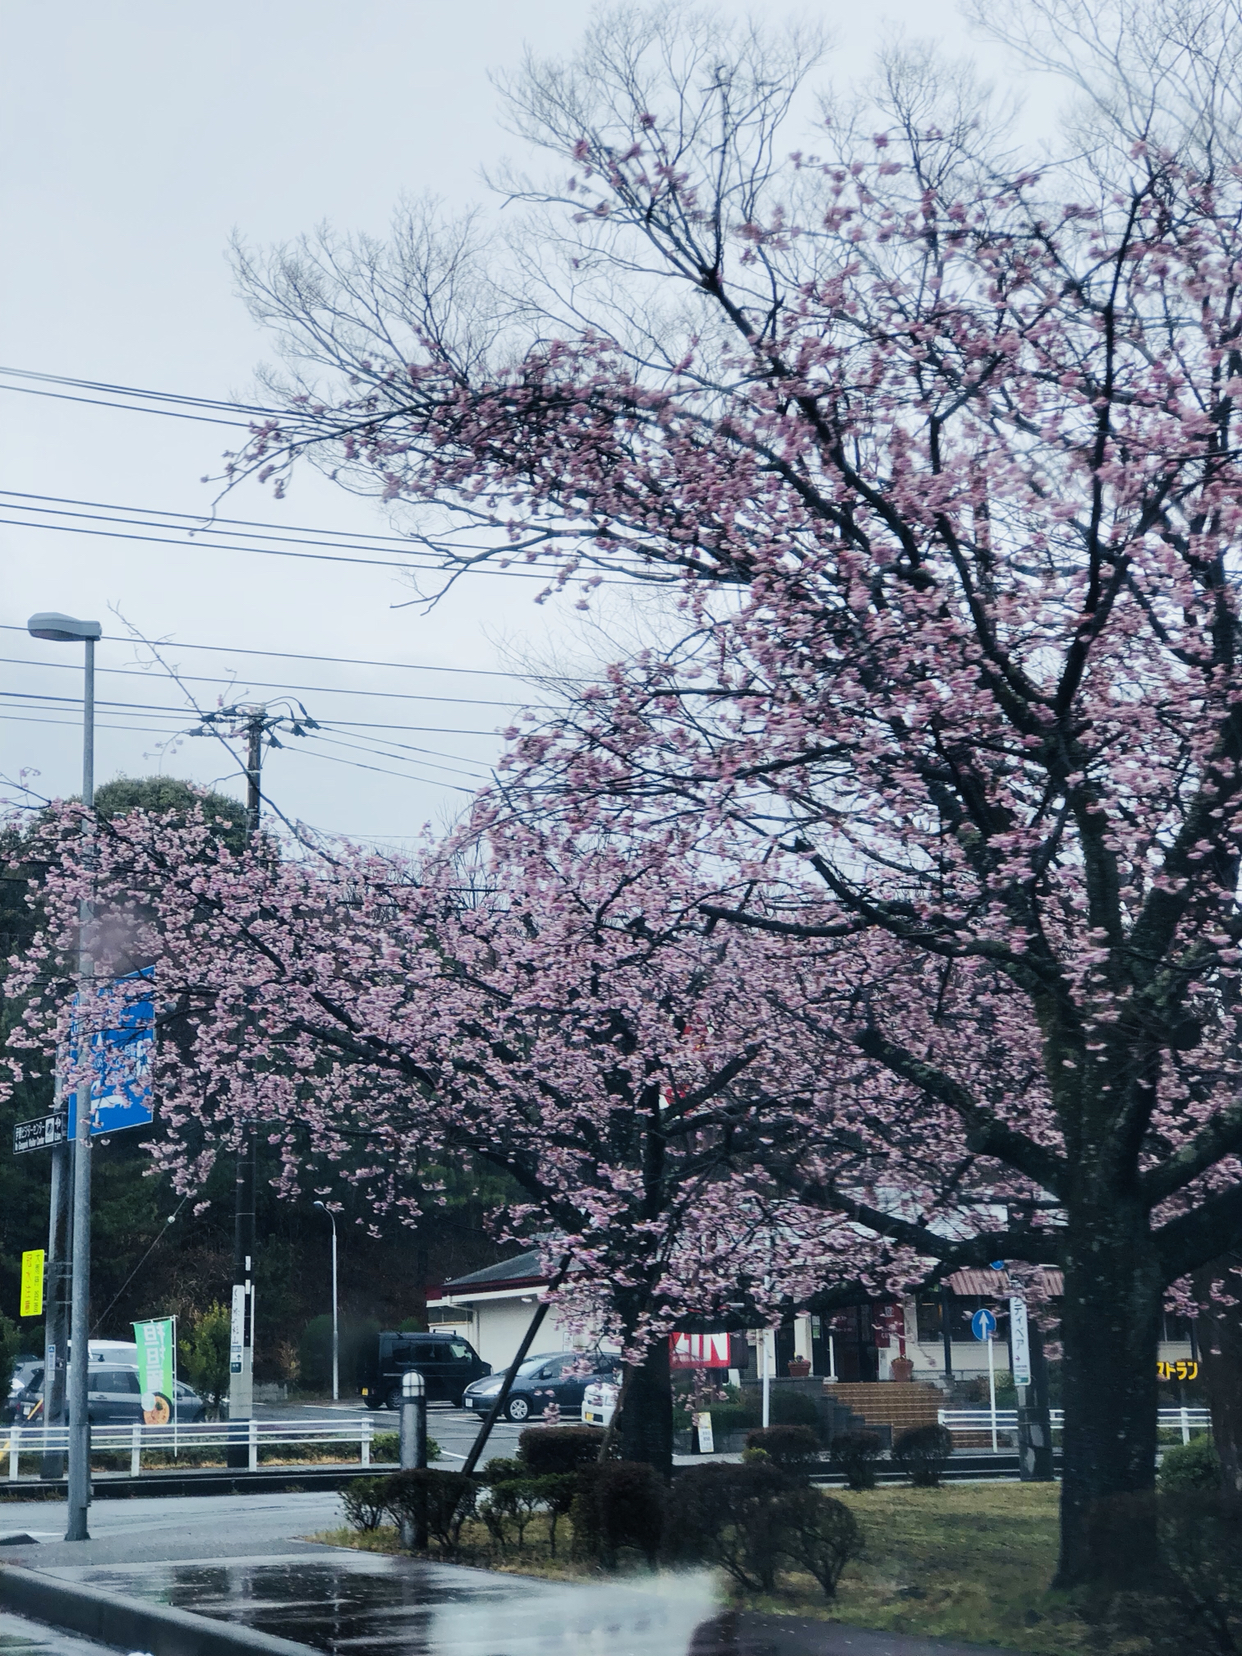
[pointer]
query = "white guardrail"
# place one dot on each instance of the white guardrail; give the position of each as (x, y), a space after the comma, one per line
(1004, 1422)
(218, 1435)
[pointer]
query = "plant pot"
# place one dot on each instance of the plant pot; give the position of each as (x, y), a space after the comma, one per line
(799, 1368)
(901, 1368)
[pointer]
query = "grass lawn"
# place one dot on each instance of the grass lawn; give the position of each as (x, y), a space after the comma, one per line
(970, 1561)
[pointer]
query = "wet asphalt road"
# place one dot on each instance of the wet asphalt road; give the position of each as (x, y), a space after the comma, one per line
(237, 1557)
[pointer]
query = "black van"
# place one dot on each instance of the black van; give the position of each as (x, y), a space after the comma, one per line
(446, 1361)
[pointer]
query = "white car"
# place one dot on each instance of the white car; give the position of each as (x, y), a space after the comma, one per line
(599, 1403)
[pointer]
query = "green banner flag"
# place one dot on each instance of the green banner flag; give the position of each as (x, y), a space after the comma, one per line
(157, 1346)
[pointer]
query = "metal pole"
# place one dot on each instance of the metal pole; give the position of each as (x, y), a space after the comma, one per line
(80, 1332)
(765, 1334)
(992, 1387)
(946, 1330)
(336, 1331)
(54, 1349)
(241, 1353)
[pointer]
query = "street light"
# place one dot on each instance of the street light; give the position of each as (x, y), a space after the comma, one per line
(336, 1342)
(67, 629)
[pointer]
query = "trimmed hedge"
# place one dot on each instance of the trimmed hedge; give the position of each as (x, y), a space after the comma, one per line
(923, 1453)
(1193, 1465)
(558, 1449)
(438, 1501)
(854, 1454)
(749, 1520)
(792, 1448)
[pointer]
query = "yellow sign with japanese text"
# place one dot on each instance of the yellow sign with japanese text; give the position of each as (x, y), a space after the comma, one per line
(32, 1284)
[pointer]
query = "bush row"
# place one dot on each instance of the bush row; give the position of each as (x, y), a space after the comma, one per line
(752, 1521)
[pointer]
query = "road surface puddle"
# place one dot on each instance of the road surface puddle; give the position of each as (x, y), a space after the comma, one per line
(363, 1605)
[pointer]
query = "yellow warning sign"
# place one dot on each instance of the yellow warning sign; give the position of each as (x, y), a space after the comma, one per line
(32, 1283)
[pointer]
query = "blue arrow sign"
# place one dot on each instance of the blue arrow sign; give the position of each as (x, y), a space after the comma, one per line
(983, 1324)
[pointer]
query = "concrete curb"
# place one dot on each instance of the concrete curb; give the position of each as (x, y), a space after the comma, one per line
(132, 1624)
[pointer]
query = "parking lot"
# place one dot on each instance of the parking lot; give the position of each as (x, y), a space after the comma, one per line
(453, 1429)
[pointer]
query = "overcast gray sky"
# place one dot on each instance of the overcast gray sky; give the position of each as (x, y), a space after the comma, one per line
(138, 134)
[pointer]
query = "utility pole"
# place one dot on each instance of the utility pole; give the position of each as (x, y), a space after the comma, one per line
(241, 1328)
(258, 724)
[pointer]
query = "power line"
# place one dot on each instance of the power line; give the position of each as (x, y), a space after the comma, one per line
(227, 403)
(208, 520)
(264, 684)
(182, 714)
(294, 655)
(98, 402)
(329, 758)
(275, 552)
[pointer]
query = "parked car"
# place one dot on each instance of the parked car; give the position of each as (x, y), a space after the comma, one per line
(447, 1363)
(599, 1402)
(24, 1370)
(114, 1398)
(559, 1377)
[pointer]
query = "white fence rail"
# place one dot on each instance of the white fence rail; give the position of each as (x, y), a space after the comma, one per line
(350, 1435)
(1004, 1422)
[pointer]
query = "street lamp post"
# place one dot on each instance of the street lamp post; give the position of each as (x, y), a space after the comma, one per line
(66, 629)
(336, 1333)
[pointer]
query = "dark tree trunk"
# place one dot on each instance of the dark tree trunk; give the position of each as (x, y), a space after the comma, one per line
(1220, 1360)
(1110, 1327)
(646, 1425)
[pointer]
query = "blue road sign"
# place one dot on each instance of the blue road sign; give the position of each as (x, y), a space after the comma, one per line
(983, 1324)
(121, 1084)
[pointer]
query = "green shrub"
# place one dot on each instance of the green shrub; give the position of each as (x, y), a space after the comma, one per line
(365, 1501)
(558, 1449)
(439, 1502)
(203, 1355)
(794, 1449)
(1187, 1589)
(617, 1504)
(854, 1454)
(729, 1516)
(502, 1470)
(386, 1446)
(1193, 1465)
(818, 1535)
(923, 1453)
(793, 1408)
(733, 1417)
(559, 1489)
(511, 1503)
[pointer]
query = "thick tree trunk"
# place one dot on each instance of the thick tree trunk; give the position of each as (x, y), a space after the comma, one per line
(1220, 1359)
(1110, 1328)
(646, 1425)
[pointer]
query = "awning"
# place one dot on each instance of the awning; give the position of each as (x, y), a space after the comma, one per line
(985, 1284)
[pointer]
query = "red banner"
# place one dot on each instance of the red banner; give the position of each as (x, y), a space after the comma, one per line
(695, 1351)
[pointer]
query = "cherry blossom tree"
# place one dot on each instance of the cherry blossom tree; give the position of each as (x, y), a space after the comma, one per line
(936, 448)
(566, 1014)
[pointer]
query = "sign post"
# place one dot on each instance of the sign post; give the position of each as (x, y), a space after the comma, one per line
(1030, 1375)
(40, 1133)
(983, 1327)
